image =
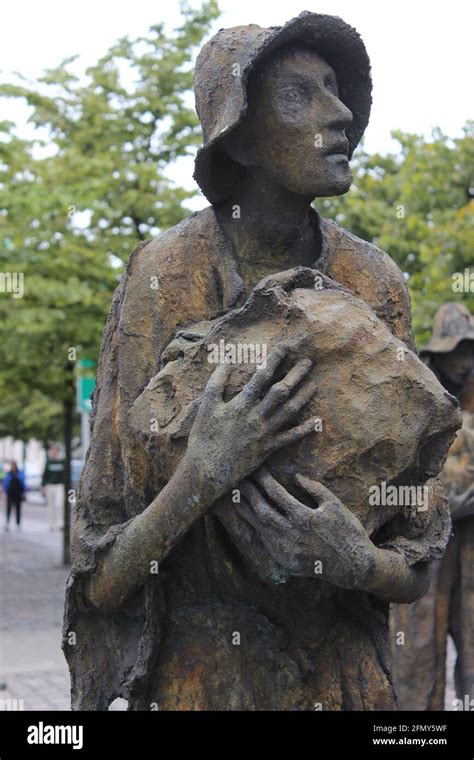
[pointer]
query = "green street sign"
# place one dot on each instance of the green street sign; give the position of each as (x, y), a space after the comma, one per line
(84, 390)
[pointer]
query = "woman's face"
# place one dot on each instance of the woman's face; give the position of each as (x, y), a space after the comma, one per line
(296, 125)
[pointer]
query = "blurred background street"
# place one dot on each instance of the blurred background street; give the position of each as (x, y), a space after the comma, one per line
(32, 585)
(32, 666)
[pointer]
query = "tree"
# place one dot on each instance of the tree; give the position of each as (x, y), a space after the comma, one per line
(418, 205)
(74, 202)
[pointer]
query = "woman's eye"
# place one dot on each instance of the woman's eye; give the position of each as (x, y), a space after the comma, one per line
(295, 93)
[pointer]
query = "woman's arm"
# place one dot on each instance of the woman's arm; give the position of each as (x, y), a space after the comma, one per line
(395, 580)
(329, 540)
(148, 538)
(227, 442)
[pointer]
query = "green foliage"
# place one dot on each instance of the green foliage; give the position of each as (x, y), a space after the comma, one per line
(418, 205)
(103, 142)
(76, 199)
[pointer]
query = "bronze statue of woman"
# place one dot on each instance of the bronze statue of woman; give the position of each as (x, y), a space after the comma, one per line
(164, 608)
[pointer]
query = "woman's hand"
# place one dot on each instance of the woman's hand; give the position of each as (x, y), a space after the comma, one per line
(230, 440)
(328, 541)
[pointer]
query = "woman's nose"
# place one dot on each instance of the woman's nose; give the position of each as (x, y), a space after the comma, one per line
(341, 116)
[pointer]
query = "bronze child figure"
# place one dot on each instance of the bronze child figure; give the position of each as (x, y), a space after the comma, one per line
(166, 606)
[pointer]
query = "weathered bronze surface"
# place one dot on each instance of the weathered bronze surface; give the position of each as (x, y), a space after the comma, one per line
(274, 574)
(420, 663)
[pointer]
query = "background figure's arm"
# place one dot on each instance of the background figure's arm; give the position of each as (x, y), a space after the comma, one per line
(462, 505)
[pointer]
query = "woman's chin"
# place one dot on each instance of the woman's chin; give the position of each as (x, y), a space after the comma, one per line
(336, 181)
(341, 177)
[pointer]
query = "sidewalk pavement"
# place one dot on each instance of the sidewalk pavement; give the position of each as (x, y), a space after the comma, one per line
(32, 586)
(32, 583)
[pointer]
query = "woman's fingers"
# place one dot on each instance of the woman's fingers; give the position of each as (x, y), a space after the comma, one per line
(214, 390)
(240, 525)
(280, 392)
(277, 492)
(265, 514)
(294, 405)
(262, 376)
(288, 437)
(316, 489)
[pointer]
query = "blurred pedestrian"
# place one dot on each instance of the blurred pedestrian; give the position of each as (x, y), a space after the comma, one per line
(53, 487)
(14, 487)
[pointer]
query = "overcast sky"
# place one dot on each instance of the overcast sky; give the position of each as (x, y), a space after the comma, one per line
(421, 50)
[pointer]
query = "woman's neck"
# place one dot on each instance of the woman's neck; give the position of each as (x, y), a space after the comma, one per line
(269, 228)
